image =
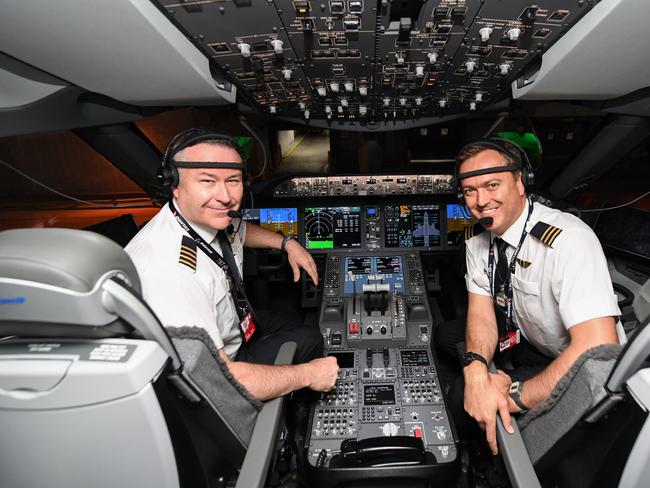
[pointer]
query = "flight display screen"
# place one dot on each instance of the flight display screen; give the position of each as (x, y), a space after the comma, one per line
(344, 359)
(333, 228)
(378, 394)
(458, 218)
(283, 220)
(412, 226)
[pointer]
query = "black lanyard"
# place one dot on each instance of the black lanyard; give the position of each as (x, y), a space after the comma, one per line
(225, 262)
(511, 271)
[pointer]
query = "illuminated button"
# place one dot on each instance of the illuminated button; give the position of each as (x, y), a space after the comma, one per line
(470, 65)
(322, 91)
(433, 57)
(363, 90)
(417, 432)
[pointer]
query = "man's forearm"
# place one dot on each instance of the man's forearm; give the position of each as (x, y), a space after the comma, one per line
(258, 237)
(265, 382)
(481, 334)
(584, 336)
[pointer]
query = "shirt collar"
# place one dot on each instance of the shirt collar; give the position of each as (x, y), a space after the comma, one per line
(206, 233)
(513, 234)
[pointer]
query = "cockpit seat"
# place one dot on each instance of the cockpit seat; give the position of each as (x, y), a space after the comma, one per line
(593, 430)
(582, 387)
(95, 392)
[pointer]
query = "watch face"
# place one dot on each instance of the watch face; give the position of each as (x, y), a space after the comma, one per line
(467, 358)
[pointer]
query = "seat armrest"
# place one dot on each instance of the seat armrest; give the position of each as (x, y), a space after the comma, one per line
(260, 449)
(515, 456)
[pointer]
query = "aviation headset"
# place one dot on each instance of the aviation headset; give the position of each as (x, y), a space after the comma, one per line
(168, 172)
(514, 153)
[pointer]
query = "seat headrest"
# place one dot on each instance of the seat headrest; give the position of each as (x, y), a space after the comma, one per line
(65, 258)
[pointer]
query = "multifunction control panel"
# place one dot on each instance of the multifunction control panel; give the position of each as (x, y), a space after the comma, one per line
(376, 321)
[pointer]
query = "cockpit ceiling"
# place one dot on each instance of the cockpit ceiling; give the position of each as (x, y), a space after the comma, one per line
(344, 64)
(372, 62)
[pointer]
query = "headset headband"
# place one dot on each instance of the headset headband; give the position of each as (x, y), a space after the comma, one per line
(486, 171)
(513, 152)
(208, 164)
(197, 135)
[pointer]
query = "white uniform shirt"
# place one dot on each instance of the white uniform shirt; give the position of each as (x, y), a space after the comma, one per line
(180, 295)
(554, 287)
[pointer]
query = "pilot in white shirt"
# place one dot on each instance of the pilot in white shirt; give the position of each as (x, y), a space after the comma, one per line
(560, 280)
(536, 312)
(182, 284)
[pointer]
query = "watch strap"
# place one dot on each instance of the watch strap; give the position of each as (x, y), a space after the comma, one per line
(470, 356)
(285, 240)
(515, 390)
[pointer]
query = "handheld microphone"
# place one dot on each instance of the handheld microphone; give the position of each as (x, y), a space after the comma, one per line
(234, 214)
(482, 221)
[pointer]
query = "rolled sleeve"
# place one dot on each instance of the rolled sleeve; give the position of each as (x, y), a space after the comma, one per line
(582, 284)
(476, 280)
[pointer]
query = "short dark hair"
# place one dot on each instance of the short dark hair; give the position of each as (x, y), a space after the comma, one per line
(510, 152)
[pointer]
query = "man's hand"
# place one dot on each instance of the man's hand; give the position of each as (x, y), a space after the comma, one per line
(484, 398)
(300, 258)
(321, 373)
(502, 381)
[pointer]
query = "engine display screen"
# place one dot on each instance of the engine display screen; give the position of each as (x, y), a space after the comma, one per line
(458, 218)
(410, 226)
(284, 220)
(379, 394)
(333, 228)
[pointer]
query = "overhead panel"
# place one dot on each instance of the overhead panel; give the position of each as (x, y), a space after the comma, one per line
(363, 62)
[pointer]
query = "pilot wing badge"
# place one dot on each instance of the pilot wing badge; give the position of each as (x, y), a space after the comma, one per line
(523, 263)
(187, 254)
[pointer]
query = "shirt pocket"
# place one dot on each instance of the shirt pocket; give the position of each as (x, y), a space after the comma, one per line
(527, 299)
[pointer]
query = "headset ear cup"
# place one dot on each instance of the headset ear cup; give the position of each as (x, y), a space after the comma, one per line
(168, 176)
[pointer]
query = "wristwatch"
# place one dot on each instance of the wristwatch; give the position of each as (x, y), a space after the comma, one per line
(467, 358)
(516, 387)
(285, 240)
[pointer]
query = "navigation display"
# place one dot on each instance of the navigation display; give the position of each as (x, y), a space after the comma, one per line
(412, 226)
(284, 220)
(333, 228)
(458, 218)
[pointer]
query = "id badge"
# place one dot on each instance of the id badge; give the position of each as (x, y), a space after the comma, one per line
(500, 299)
(511, 339)
(247, 327)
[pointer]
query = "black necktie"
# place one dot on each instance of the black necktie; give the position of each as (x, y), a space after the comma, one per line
(501, 283)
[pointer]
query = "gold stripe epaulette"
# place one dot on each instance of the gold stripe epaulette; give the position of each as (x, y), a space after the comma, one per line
(187, 254)
(546, 233)
(473, 230)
